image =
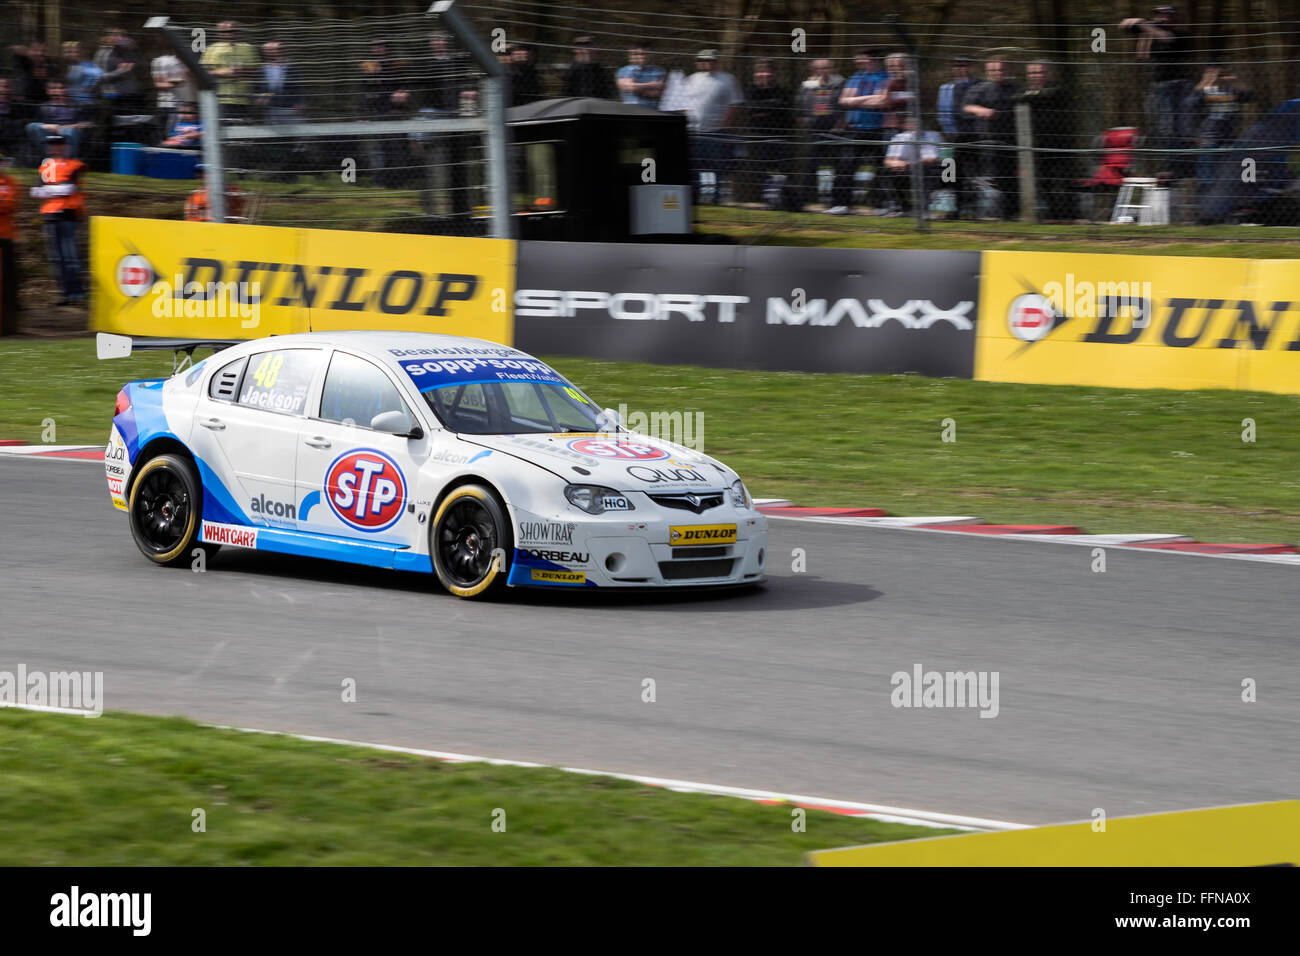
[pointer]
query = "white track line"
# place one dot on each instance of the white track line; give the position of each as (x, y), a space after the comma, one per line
(924, 818)
(1078, 540)
(886, 814)
(43, 449)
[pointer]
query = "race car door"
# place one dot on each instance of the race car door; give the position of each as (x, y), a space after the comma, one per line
(354, 480)
(246, 429)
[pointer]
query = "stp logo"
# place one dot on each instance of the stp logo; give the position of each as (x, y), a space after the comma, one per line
(1031, 317)
(366, 490)
(135, 276)
(617, 450)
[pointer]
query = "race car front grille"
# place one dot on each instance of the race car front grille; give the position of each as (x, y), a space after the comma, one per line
(684, 570)
(719, 551)
(689, 502)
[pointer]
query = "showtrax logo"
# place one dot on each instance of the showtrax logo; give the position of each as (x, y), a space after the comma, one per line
(81, 691)
(947, 689)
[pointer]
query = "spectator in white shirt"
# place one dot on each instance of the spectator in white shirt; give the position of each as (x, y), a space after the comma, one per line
(713, 99)
(905, 151)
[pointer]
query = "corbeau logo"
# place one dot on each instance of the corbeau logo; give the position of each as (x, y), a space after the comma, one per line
(366, 490)
(135, 276)
(560, 557)
(1175, 322)
(702, 534)
(336, 288)
(665, 475)
(617, 450)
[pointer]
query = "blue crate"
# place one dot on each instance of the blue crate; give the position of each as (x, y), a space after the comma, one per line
(170, 163)
(126, 159)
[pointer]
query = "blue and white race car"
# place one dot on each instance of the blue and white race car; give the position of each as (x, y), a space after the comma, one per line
(460, 457)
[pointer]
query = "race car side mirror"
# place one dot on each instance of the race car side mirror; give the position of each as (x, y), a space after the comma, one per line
(396, 423)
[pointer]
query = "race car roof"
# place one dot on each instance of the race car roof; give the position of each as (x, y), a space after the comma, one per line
(393, 347)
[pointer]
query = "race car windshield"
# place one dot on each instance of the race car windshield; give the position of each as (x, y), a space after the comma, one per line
(513, 408)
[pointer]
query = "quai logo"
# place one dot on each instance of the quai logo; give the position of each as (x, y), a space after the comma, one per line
(366, 490)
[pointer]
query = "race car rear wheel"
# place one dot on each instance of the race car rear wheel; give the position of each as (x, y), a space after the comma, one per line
(470, 542)
(165, 504)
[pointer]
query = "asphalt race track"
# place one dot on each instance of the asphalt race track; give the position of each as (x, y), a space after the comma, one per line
(1119, 690)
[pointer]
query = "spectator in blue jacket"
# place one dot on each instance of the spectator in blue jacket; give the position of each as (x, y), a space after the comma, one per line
(864, 98)
(641, 82)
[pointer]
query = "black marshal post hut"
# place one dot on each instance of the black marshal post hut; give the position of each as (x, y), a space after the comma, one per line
(591, 170)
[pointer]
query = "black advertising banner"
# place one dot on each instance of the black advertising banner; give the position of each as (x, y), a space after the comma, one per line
(769, 307)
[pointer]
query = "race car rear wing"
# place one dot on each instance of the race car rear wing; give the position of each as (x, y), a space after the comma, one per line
(110, 346)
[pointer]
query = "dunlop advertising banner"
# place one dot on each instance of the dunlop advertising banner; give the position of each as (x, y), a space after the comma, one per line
(1139, 321)
(213, 280)
(1253, 834)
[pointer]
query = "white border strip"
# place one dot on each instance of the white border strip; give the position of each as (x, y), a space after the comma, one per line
(1078, 540)
(921, 818)
(44, 449)
(886, 814)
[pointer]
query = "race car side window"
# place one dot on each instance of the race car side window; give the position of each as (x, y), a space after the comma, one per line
(225, 384)
(278, 381)
(356, 391)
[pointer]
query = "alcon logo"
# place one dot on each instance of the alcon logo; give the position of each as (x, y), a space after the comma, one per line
(366, 490)
(262, 505)
(336, 288)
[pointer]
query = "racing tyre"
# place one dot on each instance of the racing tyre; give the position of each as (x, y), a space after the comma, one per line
(165, 510)
(470, 542)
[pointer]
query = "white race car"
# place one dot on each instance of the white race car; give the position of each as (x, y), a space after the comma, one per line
(455, 456)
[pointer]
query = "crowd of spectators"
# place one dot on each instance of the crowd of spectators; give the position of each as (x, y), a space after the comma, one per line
(823, 141)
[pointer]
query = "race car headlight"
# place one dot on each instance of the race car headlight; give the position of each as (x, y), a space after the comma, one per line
(597, 499)
(740, 494)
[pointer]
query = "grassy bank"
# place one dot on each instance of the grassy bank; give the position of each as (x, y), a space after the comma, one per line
(1112, 460)
(121, 790)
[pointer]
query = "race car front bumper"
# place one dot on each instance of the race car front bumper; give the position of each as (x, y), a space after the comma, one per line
(639, 549)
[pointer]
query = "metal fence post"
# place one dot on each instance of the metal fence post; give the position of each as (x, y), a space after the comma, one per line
(209, 114)
(496, 95)
(1025, 156)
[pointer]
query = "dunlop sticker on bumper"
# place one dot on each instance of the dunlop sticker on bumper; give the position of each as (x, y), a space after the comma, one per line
(681, 535)
(559, 577)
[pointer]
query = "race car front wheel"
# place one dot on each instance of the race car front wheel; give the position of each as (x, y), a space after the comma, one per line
(164, 509)
(470, 542)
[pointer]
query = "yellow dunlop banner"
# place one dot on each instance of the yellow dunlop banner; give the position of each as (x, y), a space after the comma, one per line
(210, 280)
(1254, 834)
(1139, 321)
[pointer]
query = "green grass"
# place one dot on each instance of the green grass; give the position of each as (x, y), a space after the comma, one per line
(761, 227)
(1110, 460)
(323, 200)
(120, 790)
